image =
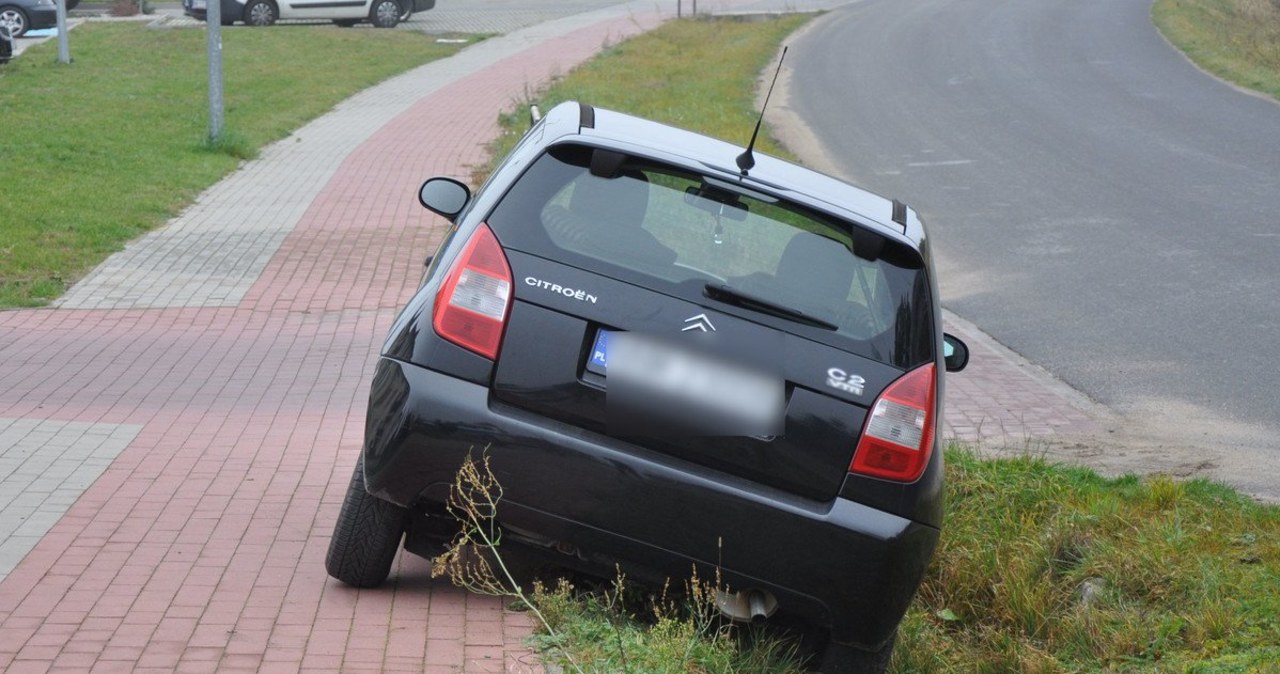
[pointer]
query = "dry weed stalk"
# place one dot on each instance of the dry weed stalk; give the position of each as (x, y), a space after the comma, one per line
(472, 560)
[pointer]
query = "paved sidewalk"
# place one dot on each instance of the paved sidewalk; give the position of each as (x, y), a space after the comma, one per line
(177, 433)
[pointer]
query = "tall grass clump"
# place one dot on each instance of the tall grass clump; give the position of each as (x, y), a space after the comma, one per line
(231, 143)
(1237, 40)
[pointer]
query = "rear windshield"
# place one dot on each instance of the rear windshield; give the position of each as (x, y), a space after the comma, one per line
(695, 237)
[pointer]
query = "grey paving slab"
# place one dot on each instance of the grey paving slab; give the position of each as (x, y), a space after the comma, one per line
(44, 467)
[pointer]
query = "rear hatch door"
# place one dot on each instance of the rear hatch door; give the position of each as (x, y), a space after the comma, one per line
(772, 389)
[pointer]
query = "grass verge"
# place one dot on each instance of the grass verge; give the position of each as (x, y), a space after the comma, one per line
(99, 151)
(1237, 40)
(1047, 568)
(1041, 569)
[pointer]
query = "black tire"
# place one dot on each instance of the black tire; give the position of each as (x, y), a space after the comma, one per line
(366, 536)
(346, 23)
(260, 13)
(385, 13)
(15, 20)
(838, 659)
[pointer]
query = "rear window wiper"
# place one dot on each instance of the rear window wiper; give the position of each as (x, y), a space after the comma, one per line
(724, 293)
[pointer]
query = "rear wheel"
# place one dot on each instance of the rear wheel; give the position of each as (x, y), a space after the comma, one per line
(366, 536)
(260, 13)
(14, 19)
(385, 13)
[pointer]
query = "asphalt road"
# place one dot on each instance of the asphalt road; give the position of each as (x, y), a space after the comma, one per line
(1099, 205)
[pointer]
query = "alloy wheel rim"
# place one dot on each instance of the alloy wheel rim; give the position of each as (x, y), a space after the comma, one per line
(13, 21)
(261, 14)
(388, 12)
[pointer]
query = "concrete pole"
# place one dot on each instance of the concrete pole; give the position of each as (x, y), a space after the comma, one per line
(64, 47)
(213, 20)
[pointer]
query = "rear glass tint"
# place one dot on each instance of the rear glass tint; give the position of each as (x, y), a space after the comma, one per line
(690, 235)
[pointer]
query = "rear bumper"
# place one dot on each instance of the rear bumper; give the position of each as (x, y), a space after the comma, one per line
(840, 564)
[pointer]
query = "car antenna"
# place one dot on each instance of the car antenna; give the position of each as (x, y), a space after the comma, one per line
(747, 159)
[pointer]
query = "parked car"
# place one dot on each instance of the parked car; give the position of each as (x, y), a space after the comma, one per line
(381, 13)
(671, 363)
(20, 16)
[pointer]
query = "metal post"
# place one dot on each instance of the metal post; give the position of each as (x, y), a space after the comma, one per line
(213, 20)
(679, 8)
(695, 7)
(64, 47)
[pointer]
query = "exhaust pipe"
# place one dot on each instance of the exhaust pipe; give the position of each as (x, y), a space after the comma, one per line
(752, 606)
(757, 606)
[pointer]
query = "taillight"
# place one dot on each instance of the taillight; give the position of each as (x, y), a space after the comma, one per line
(472, 304)
(898, 438)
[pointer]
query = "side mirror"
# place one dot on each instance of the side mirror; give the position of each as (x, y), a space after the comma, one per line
(444, 196)
(954, 353)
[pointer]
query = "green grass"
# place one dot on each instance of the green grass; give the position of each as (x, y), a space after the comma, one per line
(1185, 576)
(1237, 40)
(1181, 576)
(102, 150)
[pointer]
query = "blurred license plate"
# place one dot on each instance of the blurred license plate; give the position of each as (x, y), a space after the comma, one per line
(694, 390)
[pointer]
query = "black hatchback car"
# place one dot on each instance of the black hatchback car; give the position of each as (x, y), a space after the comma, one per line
(673, 363)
